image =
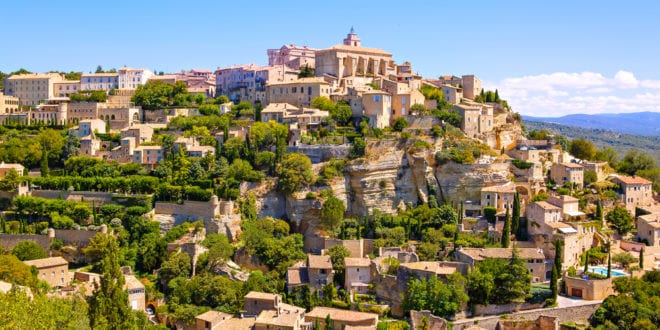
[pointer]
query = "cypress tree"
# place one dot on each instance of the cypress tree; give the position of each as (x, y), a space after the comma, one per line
(506, 231)
(599, 210)
(515, 217)
(641, 258)
(609, 260)
(556, 270)
(108, 306)
(586, 262)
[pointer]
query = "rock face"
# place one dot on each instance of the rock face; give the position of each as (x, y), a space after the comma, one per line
(460, 182)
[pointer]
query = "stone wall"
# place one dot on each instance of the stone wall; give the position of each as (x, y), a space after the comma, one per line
(205, 210)
(86, 196)
(564, 314)
(322, 152)
(541, 323)
(426, 320)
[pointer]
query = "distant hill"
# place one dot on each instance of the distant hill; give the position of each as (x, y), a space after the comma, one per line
(601, 138)
(638, 123)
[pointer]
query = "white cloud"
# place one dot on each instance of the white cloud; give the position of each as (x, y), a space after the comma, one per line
(560, 93)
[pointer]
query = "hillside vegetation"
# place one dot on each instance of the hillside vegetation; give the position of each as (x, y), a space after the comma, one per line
(620, 142)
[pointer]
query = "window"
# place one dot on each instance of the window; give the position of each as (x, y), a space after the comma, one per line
(376, 98)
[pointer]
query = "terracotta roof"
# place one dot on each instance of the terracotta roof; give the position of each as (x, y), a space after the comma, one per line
(546, 206)
(272, 317)
(632, 179)
(503, 188)
(245, 323)
(357, 262)
(429, 266)
(571, 165)
(213, 316)
(296, 276)
(308, 80)
(47, 262)
(557, 225)
(132, 282)
(319, 262)
(652, 220)
(501, 253)
(341, 315)
(260, 295)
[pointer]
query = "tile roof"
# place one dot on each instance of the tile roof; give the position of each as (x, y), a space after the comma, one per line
(632, 179)
(47, 262)
(430, 266)
(245, 323)
(132, 282)
(272, 317)
(508, 187)
(260, 295)
(546, 206)
(357, 262)
(341, 315)
(501, 253)
(296, 276)
(319, 262)
(357, 49)
(213, 316)
(652, 220)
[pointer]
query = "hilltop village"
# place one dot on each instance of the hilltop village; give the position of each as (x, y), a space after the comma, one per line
(330, 189)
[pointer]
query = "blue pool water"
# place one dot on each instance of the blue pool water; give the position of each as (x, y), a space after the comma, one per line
(603, 271)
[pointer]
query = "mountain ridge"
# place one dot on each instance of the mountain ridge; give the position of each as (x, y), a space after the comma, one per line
(636, 123)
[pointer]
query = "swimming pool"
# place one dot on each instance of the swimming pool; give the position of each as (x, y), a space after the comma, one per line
(603, 271)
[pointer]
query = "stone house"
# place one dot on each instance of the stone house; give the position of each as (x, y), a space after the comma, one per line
(342, 319)
(357, 274)
(319, 271)
(54, 270)
(564, 173)
(377, 108)
(272, 313)
(598, 168)
(136, 293)
(589, 289)
(648, 228)
(499, 196)
(476, 118)
(298, 92)
(634, 191)
(211, 320)
(255, 302)
(534, 258)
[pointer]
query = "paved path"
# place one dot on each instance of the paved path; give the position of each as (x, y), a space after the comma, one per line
(563, 301)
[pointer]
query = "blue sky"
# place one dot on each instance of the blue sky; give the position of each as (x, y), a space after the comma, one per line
(546, 57)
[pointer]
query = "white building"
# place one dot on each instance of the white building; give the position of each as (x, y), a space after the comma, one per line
(130, 78)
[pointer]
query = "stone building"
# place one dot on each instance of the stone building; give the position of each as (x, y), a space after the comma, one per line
(286, 113)
(292, 56)
(32, 88)
(136, 293)
(634, 191)
(131, 78)
(99, 81)
(357, 274)
(534, 258)
(598, 168)
(377, 108)
(476, 118)
(471, 86)
(55, 270)
(351, 64)
(570, 173)
(8, 104)
(319, 271)
(342, 319)
(499, 197)
(66, 88)
(648, 228)
(298, 92)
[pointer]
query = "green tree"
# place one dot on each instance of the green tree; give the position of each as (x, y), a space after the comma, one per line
(295, 172)
(442, 299)
(28, 250)
(342, 113)
(634, 161)
(620, 219)
(480, 286)
(582, 149)
(332, 213)
(556, 270)
(399, 124)
(108, 306)
(506, 231)
(323, 103)
(359, 148)
(515, 217)
(641, 258)
(12, 270)
(490, 214)
(624, 259)
(599, 210)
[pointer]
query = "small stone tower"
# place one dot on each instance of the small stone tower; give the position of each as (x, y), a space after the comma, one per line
(352, 39)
